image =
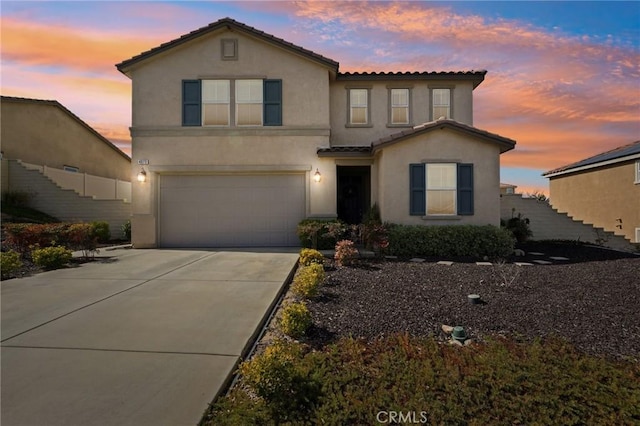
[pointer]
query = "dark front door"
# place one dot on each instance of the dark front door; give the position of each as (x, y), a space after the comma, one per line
(354, 192)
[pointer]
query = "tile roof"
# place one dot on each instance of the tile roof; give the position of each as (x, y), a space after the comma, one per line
(345, 151)
(229, 23)
(476, 76)
(72, 115)
(621, 153)
(506, 144)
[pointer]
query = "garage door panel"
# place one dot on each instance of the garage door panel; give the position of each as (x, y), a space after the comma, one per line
(230, 211)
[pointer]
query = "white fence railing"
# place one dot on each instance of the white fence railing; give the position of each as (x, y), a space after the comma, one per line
(87, 185)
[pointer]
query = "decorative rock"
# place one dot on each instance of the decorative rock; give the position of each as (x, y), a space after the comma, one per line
(445, 262)
(558, 258)
(455, 342)
(447, 328)
(535, 253)
(518, 252)
(484, 263)
(417, 260)
(543, 262)
(468, 342)
(523, 264)
(391, 257)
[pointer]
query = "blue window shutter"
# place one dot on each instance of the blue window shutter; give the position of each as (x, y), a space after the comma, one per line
(417, 190)
(191, 103)
(465, 189)
(272, 102)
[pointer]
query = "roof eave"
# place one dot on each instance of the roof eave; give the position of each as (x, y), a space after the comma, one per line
(556, 173)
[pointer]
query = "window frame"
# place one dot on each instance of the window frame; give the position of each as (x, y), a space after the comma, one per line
(432, 99)
(391, 106)
(228, 102)
(445, 188)
(367, 90)
(465, 190)
(637, 181)
(223, 49)
(237, 102)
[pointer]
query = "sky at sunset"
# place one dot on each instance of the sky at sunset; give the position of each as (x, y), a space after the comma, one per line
(563, 77)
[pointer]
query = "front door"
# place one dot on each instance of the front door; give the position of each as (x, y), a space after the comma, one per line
(354, 192)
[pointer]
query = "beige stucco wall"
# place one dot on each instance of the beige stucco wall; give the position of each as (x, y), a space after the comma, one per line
(44, 134)
(600, 197)
(341, 134)
(439, 146)
(158, 135)
(157, 84)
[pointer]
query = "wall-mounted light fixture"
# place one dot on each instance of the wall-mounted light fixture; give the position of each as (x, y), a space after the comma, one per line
(142, 176)
(317, 176)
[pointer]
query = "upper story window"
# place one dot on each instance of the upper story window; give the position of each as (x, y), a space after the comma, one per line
(440, 103)
(359, 107)
(226, 103)
(399, 107)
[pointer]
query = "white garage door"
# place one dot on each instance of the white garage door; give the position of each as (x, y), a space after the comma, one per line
(231, 210)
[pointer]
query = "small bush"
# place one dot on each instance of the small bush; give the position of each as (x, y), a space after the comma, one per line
(16, 198)
(309, 256)
(126, 230)
(308, 280)
(100, 230)
(519, 227)
(295, 319)
(450, 241)
(9, 263)
(51, 257)
(275, 376)
(320, 234)
(346, 253)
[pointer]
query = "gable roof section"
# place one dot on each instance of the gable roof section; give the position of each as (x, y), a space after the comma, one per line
(505, 144)
(476, 77)
(616, 155)
(70, 114)
(231, 24)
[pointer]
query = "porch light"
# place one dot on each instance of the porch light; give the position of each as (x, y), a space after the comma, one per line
(142, 176)
(317, 176)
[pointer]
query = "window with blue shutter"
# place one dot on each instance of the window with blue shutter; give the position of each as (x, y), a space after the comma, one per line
(272, 102)
(191, 103)
(417, 188)
(465, 189)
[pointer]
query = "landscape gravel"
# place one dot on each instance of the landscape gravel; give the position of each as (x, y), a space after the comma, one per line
(592, 299)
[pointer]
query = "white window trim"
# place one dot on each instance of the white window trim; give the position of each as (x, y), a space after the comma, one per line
(349, 89)
(451, 110)
(390, 122)
(454, 189)
(637, 181)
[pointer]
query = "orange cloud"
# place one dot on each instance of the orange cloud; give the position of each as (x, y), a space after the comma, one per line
(38, 44)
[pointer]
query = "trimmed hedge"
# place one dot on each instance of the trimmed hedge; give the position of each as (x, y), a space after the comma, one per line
(450, 240)
(74, 236)
(320, 234)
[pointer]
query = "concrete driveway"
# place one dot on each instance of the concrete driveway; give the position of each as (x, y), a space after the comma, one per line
(143, 337)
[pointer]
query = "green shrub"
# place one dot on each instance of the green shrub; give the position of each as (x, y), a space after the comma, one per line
(295, 319)
(9, 263)
(100, 231)
(126, 230)
(309, 256)
(451, 240)
(346, 253)
(308, 280)
(275, 376)
(51, 257)
(16, 198)
(519, 227)
(320, 234)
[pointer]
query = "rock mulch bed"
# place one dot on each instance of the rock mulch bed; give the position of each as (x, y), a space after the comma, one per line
(592, 300)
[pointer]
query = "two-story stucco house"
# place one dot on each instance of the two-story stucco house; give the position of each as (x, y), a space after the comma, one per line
(242, 135)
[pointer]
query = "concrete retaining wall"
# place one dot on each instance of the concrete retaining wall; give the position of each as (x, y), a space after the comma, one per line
(546, 223)
(66, 204)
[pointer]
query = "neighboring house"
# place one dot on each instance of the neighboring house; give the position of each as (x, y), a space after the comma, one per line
(242, 135)
(45, 133)
(507, 189)
(603, 190)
